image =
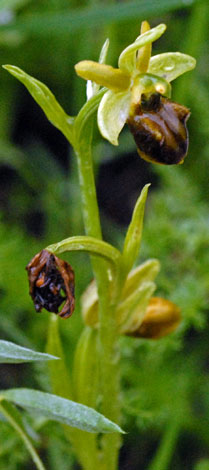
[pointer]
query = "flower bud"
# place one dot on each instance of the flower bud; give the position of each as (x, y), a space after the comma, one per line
(51, 282)
(161, 318)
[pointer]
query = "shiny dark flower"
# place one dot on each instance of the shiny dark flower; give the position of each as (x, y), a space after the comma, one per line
(159, 129)
(51, 282)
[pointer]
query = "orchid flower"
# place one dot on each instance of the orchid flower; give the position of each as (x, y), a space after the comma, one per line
(137, 74)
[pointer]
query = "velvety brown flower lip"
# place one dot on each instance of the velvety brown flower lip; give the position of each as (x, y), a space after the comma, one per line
(51, 282)
(159, 129)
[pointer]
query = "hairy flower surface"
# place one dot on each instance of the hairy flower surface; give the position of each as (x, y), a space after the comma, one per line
(137, 74)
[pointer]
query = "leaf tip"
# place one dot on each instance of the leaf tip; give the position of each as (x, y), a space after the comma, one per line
(16, 71)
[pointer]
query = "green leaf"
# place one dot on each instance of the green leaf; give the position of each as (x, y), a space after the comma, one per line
(112, 114)
(171, 65)
(134, 232)
(14, 354)
(13, 416)
(127, 58)
(46, 100)
(61, 410)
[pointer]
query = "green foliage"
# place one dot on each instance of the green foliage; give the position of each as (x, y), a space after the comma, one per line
(60, 409)
(12, 353)
(164, 383)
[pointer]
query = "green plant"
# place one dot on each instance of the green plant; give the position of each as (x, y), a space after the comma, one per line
(118, 301)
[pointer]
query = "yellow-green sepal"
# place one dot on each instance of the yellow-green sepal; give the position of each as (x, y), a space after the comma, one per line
(127, 58)
(145, 272)
(171, 65)
(131, 311)
(112, 114)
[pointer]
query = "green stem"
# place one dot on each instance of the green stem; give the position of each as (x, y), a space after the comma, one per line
(108, 332)
(12, 416)
(90, 245)
(166, 448)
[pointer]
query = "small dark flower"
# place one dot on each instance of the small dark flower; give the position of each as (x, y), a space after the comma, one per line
(51, 282)
(159, 129)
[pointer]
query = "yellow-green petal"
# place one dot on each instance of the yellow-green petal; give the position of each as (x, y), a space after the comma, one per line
(104, 75)
(171, 64)
(112, 114)
(127, 59)
(144, 54)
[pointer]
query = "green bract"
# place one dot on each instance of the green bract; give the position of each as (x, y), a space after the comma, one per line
(137, 73)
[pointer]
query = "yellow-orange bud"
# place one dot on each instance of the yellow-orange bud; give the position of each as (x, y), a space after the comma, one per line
(161, 318)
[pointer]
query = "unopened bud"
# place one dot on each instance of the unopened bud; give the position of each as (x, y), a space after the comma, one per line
(161, 318)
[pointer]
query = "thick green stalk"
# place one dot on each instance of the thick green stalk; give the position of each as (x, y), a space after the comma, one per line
(108, 333)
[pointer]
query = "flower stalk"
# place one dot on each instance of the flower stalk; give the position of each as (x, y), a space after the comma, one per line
(109, 376)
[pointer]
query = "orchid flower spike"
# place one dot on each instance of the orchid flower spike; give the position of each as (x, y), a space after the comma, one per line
(138, 93)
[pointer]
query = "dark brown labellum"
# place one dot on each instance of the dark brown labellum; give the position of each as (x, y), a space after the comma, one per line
(51, 282)
(159, 129)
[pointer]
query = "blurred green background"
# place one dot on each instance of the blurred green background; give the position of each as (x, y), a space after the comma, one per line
(165, 383)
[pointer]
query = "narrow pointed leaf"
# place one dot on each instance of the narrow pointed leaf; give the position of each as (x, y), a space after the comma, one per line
(127, 58)
(61, 410)
(46, 100)
(134, 232)
(14, 354)
(171, 64)
(112, 114)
